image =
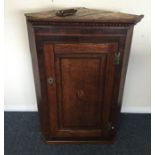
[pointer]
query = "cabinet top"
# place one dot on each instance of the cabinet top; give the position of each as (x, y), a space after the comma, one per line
(85, 15)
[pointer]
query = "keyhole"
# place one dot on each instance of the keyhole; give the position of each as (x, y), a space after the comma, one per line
(50, 80)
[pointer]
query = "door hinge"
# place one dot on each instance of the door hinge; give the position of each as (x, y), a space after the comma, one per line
(117, 58)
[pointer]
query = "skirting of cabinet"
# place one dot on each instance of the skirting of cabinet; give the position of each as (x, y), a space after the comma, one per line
(80, 141)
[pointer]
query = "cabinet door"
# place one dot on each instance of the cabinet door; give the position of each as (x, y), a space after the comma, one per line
(80, 80)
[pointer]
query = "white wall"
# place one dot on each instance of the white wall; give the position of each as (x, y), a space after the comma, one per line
(19, 88)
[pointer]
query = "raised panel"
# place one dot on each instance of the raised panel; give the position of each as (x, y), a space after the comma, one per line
(80, 91)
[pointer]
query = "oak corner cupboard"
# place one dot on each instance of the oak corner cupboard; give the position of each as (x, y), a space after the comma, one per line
(80, 59)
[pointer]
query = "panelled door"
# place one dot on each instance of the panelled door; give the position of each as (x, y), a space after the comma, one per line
(80, 79)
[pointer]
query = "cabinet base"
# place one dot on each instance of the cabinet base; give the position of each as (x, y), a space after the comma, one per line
(80, 141)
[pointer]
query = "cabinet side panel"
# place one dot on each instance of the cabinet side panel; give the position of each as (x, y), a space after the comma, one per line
(120, 75)
(125, 64)
(124, 48)
(42, 108)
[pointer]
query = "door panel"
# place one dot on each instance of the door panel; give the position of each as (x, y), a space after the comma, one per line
(80, 97)
(80, 83)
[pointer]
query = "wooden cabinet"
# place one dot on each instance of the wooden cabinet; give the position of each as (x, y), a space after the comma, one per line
(79, 63)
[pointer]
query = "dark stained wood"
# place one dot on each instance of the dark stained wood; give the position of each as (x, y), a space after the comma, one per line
(82, 104)
(75, 31)
(40, 87)
(85, 48)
